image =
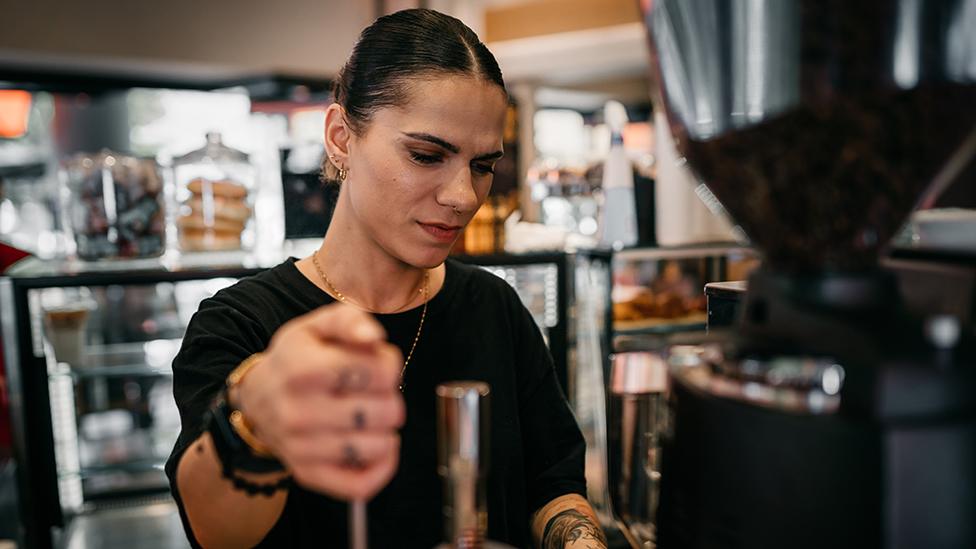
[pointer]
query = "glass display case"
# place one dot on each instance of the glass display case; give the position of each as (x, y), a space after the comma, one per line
(662, 290)
(89, 347)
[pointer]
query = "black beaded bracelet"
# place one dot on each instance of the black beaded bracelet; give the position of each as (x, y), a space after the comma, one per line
(235, 455)
(253, 488)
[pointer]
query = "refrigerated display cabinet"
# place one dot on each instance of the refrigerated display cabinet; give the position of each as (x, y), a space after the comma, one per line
(659, 291)
(88, 348)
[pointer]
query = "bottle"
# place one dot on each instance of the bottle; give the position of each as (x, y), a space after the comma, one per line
(683, 207)
(618, 223)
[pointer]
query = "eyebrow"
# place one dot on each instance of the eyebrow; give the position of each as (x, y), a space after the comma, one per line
(450, 146)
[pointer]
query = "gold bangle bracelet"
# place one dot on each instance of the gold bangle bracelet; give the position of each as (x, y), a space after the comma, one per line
(237, 374)
(237, 419)
(243, 430)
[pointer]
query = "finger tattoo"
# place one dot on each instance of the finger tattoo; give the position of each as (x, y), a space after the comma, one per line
(359, 420)
(351, 457)
(352, 379)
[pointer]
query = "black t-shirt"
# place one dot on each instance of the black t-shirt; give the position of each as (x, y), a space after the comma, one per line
(476, 329)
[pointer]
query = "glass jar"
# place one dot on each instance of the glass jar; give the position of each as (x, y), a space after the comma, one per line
(114, 206)
(215, 188)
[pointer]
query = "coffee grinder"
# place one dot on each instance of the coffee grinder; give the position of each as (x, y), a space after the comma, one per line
(829, 416)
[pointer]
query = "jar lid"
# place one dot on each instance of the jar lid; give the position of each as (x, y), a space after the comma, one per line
(214, 151)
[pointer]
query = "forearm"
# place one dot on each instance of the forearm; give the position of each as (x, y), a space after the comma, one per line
(221, 515)
(567, 522)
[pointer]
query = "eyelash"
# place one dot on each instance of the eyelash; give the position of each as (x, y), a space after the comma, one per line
(427, 159)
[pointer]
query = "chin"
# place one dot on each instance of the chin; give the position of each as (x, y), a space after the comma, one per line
(429, 261)
(427, 257)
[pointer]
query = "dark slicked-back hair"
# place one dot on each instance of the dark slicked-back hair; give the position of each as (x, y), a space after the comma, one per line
(401, 47)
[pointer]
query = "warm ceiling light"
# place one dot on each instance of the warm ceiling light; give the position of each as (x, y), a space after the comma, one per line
(14, 113)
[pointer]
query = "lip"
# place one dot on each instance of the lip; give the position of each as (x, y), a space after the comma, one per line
(441, 232)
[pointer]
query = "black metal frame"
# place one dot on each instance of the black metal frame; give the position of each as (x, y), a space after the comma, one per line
(558, 334)
(561, 338)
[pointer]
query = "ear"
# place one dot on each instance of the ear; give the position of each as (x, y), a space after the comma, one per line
(337, 136)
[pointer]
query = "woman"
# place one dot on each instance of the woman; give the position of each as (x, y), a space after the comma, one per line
(331, 361)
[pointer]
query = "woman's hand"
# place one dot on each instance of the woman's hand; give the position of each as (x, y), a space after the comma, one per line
(325, 399)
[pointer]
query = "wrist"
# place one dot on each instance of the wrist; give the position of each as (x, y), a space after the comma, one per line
(237, 418)
(235, 379)
(231, 447)
(239, 451)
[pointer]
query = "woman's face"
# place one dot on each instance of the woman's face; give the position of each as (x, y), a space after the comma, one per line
(418, 172)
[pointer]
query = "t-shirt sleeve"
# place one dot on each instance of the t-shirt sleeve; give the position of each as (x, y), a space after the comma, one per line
(553, 444)
(219, 336)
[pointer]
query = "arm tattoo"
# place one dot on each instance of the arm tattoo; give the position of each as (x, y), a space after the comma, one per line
(571, 528)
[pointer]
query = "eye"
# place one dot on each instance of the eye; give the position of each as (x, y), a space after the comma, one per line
(422, 158)
(484, 169)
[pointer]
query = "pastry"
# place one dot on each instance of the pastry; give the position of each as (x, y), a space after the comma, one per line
(209, 240)
(223, 208)
(224, 188)
(197, 221)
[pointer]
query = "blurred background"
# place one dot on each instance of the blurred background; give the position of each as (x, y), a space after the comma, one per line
(153, 153)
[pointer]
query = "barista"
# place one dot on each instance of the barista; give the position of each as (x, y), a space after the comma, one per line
(330, 361)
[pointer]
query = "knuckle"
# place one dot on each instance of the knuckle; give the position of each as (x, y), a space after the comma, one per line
(388, 378)
(391, 354)
(393, 412)
(287, 448)
(399, 411)
(304, 475)
(394, 443)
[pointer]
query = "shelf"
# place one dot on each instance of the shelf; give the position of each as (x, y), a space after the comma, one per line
(121, 371)
(37, 273)
(93, 75)
(33, 170)
(148, 358)
(682, 252)
(952, 256)
(661, 326)
(135, 466)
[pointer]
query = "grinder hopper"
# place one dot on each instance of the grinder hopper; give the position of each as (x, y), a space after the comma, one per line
(819, 124)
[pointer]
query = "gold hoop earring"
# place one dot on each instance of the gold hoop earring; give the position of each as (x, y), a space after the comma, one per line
(343, 172)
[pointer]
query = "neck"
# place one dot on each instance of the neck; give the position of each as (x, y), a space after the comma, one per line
(363, 272)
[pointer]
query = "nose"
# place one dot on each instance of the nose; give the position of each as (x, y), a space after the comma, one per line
(459, 193)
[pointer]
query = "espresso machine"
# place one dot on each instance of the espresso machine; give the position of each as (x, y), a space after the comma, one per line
(829, 415)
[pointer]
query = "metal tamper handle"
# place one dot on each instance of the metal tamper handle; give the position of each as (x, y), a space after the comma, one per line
(462, 443)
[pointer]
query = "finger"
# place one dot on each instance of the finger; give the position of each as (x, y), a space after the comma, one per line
(344, 370)
(347, 449)
(344, 483)
(319, 411)
(343, 323)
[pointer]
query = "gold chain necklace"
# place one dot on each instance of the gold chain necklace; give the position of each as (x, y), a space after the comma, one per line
(423, 314)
